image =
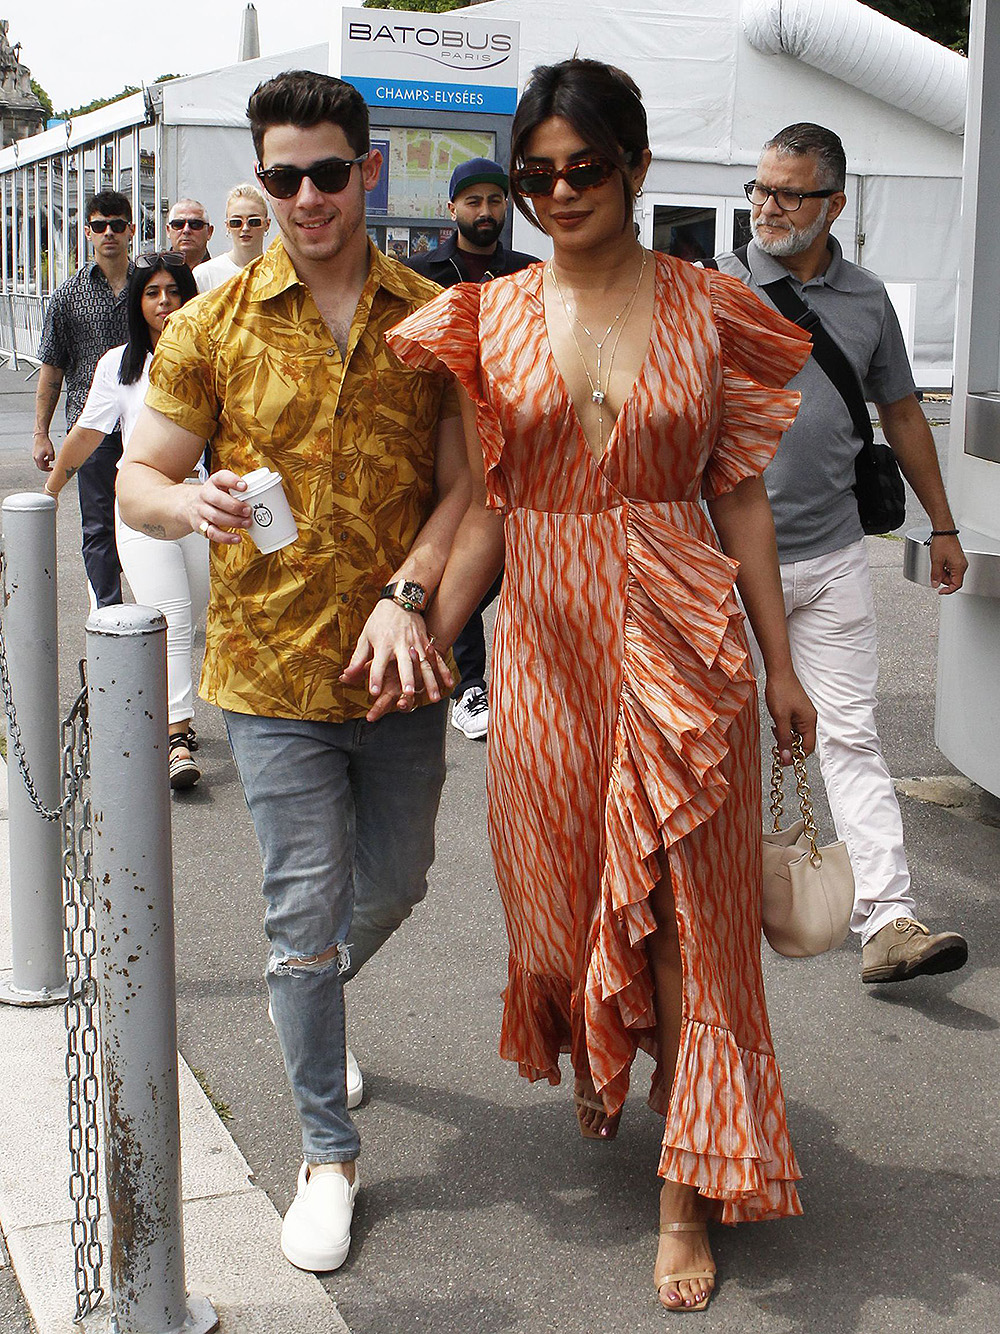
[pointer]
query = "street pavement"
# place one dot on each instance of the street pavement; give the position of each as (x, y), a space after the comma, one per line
(481, 1207)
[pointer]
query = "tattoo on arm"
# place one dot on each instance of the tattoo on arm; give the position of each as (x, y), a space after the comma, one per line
(70, 471)
(154, 529)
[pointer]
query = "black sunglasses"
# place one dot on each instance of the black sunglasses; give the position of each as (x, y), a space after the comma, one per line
(155, 259)
(586, 174)
(178, 224)
(236, 223)
(329, 176)
(101, 225)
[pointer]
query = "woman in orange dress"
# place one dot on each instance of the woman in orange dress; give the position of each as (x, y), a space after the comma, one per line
(608, 391)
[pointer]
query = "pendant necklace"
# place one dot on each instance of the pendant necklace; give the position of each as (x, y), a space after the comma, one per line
(598, 391)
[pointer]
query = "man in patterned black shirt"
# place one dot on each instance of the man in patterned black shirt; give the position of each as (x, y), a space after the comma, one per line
(86, 317)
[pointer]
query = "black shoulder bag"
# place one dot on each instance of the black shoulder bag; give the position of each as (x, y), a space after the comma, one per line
(878, 484)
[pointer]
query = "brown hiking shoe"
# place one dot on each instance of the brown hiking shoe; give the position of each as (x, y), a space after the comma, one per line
(905, 948)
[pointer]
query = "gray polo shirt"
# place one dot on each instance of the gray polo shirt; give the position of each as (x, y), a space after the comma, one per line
(809, 480)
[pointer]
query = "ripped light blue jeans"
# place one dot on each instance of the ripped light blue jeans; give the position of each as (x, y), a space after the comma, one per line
(344, 815)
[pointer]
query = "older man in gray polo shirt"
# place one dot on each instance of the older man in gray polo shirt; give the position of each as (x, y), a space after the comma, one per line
(797, 194)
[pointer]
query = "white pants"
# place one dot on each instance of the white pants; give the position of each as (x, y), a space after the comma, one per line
(173, 578)
(831, 628)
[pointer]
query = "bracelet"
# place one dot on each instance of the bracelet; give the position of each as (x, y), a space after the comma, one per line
(940, 532)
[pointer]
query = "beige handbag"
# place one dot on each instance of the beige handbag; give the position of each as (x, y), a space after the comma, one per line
(808, 890)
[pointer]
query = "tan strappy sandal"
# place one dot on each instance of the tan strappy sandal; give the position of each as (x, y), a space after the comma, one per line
(606, 1129)
(662, 1280)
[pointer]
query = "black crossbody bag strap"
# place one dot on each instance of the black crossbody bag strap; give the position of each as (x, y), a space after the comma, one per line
(827, 353)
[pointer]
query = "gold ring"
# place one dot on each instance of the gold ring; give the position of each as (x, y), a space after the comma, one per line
(203, 527)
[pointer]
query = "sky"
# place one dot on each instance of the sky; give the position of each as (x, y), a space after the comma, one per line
(78, 51)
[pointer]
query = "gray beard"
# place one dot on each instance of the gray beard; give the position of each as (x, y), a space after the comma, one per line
(794, 241)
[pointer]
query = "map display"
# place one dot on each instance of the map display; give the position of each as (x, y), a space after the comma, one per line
(420, 165)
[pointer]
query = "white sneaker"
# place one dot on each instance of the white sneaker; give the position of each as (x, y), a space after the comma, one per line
(471, 713)
(316, 1232)
(355, 1081)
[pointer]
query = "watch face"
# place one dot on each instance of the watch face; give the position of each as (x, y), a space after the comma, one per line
(411, 592)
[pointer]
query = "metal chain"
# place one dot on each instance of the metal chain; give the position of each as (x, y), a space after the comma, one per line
(82, 1021)
(14, 731)
(801, 791)
(80, 949)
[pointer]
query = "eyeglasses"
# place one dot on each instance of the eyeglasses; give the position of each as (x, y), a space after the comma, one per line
(789, 201)
(236, 223)
(155, 259)
(101, 225)
(540, 180)
(178, 224)
(329, 176)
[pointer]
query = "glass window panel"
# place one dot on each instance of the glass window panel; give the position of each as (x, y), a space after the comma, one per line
(44, 266)
(684, 231)
(106, 164)
(146, 222)
(57, 220)
(741, 227)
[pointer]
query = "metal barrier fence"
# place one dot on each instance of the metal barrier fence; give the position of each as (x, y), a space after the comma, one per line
(21, 320)
(114, 822)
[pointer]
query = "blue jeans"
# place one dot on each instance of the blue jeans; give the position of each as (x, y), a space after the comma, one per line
(344, 814)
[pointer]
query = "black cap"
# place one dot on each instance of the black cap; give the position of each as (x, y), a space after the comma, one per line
(478, 170)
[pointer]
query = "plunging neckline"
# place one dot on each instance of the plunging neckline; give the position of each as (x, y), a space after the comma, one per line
(600, 458)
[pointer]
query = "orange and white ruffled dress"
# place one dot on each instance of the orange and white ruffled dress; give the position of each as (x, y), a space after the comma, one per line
(623, 713)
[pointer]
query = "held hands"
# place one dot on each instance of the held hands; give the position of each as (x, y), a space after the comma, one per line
(215, 507)
(791, 710)
(948, 564)
(400, 658)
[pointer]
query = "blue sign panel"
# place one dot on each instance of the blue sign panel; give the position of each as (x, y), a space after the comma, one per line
(436, 96)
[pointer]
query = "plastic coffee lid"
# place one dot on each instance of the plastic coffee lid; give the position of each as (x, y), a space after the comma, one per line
(259, 480)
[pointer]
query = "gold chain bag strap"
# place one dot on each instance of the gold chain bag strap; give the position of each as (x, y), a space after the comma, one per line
(808, 890)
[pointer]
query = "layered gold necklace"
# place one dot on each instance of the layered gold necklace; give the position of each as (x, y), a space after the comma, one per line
(598, 385)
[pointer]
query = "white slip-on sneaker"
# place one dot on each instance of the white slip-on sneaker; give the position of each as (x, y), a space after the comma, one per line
(316, 1231)
(355, 1081)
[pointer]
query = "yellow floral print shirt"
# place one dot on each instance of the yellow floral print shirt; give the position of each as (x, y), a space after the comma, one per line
(253, 368)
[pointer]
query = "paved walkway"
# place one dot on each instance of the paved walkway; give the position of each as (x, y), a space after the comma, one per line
(481, 1207)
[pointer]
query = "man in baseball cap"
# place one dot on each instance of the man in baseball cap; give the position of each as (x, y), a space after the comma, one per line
(477, 201)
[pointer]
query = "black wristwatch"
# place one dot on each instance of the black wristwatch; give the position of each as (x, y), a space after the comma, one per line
(406, 593)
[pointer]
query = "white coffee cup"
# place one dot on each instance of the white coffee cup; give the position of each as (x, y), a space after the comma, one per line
(273, 525)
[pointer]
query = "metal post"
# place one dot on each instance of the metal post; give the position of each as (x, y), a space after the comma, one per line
(132, 871)
(38, 976)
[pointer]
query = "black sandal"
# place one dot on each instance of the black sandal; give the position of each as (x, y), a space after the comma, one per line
(184, 773)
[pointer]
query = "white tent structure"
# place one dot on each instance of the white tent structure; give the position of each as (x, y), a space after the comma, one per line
(720, 76)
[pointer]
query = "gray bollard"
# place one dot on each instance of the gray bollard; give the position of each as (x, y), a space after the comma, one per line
(133, 907)
(38, 976)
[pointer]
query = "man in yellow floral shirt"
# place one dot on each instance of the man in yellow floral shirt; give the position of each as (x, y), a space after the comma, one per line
(286, 366)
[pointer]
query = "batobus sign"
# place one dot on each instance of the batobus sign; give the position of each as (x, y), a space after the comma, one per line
(430, 62)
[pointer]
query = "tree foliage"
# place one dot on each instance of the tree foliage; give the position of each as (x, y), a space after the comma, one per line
(945, 21)
(99, 102)
(428, 6)
(43, 97)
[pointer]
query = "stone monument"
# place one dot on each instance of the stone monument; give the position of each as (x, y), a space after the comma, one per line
(21, 113)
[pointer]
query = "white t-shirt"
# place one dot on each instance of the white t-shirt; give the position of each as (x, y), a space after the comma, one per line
(110, 401)
(215, 272)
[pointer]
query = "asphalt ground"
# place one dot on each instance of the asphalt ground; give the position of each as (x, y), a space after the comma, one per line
(482, 1209)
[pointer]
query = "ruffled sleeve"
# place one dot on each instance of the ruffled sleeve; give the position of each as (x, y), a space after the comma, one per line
(446, 332)
(761, 351)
